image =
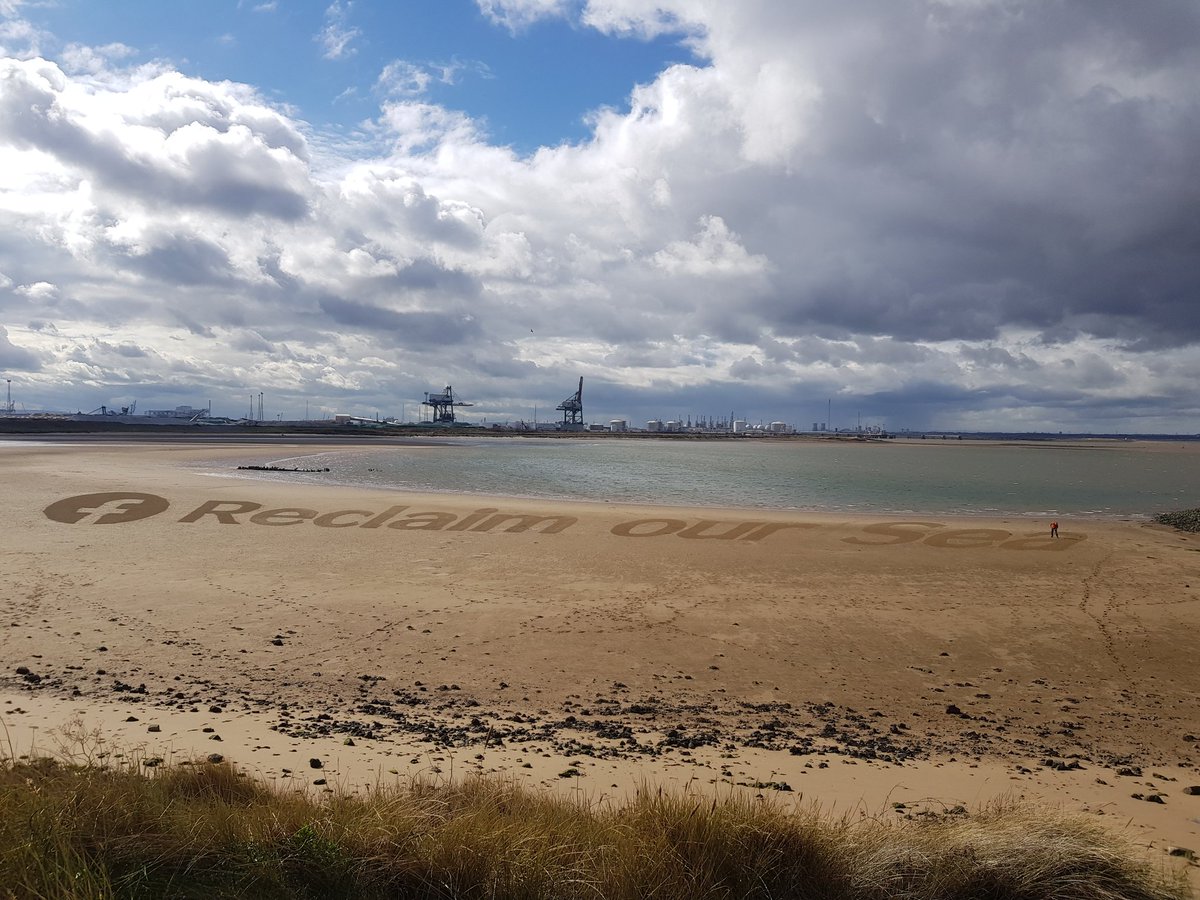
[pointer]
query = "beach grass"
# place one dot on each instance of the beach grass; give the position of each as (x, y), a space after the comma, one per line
(205, 830)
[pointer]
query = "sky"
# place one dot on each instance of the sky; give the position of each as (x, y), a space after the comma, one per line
(922, 214)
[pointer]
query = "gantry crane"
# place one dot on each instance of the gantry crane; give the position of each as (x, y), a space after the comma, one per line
(572, 409)
(443, 405)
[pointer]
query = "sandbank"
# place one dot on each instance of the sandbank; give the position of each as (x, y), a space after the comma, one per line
(873, 665)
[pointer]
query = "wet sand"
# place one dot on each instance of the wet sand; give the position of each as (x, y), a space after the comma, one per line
(872, 665)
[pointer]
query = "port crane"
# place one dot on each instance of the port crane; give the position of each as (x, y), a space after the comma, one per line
(572, 408)
(443, 405)
(105, 411)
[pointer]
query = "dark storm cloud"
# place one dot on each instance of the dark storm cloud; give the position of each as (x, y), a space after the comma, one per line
(406, 329)
(199, 329)
(427, 275)
(181, 260)
(975, 167)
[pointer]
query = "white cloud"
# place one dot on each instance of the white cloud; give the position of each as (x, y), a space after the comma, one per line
(404, 79)
(14, 358)
(516, 15)
(40, 290)
(167, 139)
(337, 36)
(78, 58)
(712, 252)
(18, 37)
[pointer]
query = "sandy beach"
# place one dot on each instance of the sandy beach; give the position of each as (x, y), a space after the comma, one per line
(875, 666)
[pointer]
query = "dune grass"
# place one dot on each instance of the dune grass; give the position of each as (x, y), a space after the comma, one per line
(206, 831)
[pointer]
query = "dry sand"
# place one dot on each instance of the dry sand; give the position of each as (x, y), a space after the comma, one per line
(874, 667)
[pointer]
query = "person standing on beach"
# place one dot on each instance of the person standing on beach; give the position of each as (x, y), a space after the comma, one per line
(1053, 529)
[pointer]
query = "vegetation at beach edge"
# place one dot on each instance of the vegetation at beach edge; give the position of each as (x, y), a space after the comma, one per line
(206, 830)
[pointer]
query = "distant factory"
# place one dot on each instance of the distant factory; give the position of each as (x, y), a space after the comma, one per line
(442, 408)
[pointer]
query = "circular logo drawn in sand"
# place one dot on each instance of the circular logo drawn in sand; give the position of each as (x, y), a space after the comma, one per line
(111, 508)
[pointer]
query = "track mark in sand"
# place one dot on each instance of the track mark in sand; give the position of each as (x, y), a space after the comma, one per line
(23, 606)
(1103, 623)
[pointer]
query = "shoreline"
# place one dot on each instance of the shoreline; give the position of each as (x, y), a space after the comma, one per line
(311, 447)
(855, 659)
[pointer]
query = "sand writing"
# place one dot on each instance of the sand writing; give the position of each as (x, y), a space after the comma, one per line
(116, 508)
(226, 512)
(108, 508)
(887, 534)
(704, 530)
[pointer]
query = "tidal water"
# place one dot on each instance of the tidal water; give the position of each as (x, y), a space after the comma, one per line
(1106, 479)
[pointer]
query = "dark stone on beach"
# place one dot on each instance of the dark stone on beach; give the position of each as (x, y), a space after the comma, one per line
(132, 719)
(22, 670)
(1149, 798)
(278, 642)
(319, 781)
(1061, 765)
(315, 763)
(215, 709)
(1194, 790)
(1183, 520)
(953, 710)
(214, 737)
(154, 729)
(215, 758)
(349, 742)
(32, 677)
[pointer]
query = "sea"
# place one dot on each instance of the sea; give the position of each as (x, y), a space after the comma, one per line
(1105, 479)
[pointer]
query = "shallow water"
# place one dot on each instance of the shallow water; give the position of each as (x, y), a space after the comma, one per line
(1106, 480)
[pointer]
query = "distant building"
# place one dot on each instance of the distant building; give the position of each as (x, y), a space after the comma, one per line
(179, 412)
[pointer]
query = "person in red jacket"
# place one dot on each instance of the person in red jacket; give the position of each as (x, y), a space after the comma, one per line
(1053, 529)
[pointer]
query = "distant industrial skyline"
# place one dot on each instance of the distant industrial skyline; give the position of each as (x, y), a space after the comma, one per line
(938, 214)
